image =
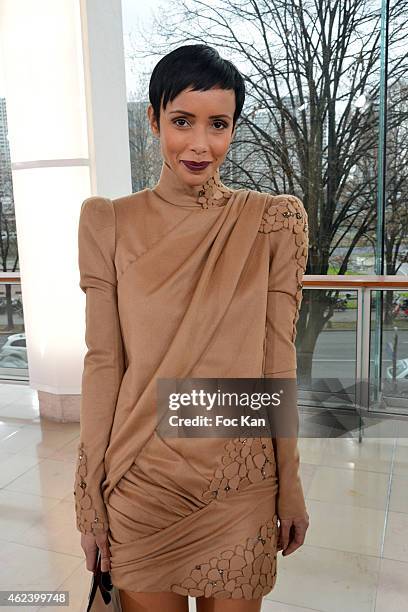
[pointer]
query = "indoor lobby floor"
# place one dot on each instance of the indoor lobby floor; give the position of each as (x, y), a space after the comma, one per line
(355, 556)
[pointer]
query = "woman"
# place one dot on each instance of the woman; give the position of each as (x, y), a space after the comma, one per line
(188, 279)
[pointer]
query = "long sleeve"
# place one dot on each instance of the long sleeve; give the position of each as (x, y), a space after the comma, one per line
(285, 222)
(104, 361)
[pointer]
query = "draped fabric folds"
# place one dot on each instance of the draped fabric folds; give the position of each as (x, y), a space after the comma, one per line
(178, 282)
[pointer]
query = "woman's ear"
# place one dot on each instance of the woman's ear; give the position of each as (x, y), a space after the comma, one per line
(152, 120)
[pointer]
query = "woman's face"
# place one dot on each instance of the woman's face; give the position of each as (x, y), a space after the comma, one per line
(196, 127)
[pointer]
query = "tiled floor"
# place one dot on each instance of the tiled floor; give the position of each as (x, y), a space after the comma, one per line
(355, 556)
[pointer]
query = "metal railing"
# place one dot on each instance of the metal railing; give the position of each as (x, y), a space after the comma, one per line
(363, 285)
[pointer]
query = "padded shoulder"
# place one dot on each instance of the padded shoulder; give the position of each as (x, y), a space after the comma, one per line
(283, 211)
(98, 212)
(97, 242)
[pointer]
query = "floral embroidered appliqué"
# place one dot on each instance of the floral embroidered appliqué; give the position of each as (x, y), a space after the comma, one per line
(213, 192)
(243, 571)
(86, 515)
(288, 212)
(246, 461)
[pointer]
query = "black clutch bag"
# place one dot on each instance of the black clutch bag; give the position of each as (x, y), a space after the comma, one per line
(103, 596)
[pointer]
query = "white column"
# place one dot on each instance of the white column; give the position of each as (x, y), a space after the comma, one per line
(63, 64)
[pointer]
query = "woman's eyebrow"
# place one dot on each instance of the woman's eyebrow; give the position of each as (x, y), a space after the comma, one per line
(193, 115)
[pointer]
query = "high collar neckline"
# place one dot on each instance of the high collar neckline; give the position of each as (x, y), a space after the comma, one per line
(211, 194)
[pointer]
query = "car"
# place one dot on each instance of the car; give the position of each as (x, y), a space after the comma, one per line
(13, 360)
(13, 353)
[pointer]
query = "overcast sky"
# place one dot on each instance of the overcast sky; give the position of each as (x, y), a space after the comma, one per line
(134, 10)
(136, 15)
(2, 91)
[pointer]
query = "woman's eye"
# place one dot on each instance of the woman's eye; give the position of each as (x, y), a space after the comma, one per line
(180, 119)
(224, 125)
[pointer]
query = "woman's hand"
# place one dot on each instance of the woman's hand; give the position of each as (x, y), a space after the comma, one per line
(90, 544)
(292, 533)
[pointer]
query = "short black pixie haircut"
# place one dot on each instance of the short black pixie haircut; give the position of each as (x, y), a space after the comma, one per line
(198, 67)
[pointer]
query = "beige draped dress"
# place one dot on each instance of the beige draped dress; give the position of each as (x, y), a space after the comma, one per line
(179, 285)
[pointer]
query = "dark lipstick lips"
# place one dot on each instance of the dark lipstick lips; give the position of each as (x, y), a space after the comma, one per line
(195, 166)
